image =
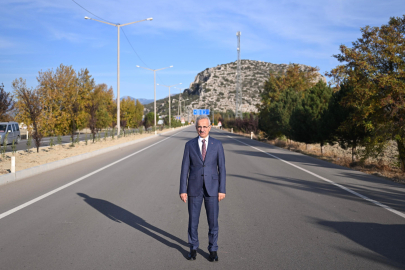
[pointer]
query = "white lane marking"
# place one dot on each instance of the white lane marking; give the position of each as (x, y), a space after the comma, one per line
(15, 209)
(330, 182)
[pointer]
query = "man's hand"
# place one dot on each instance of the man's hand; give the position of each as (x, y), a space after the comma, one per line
(221, 196)
(183, 197)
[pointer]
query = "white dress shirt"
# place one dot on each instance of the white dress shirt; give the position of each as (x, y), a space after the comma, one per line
(200, 143)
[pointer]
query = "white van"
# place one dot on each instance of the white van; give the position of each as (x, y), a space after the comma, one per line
(13, 131)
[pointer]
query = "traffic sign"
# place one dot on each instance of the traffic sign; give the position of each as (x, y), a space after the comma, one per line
(201, 111)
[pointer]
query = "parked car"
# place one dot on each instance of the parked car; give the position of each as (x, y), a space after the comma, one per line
(13, 131)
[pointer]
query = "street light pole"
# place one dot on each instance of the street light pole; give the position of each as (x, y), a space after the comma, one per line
(154, 85)
(179, 107)
(170, 116)
(212, 115)
(184, 111)
(118, 63)
(185, 108)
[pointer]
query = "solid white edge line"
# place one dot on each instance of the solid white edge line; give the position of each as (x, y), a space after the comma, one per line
(329, 181)
(15, 209)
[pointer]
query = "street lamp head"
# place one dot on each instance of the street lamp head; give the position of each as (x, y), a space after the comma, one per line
(149, 19)
(157, 84)
(171, 66)
(87, 18)
(137, 66)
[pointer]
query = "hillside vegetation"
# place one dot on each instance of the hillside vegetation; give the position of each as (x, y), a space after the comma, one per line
(215, 87)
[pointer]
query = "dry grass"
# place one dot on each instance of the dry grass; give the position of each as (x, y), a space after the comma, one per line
(28, 159)
(379, 168)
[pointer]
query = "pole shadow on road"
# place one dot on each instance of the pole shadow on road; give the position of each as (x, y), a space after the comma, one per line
(387, 240)
(118, 214)
(390, 197)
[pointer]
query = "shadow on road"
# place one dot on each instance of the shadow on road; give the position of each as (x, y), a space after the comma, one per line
(387, 240)
(391, 197)
(119, 215)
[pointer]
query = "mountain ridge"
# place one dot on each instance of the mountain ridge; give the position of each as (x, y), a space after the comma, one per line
(215, 87)
(143, 101)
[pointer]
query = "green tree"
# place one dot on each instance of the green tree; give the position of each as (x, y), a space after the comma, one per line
(338, 125)
(274, 120)
(149, 120)
(375, 68)
(295, 78)
(306, 118)
(175, 123)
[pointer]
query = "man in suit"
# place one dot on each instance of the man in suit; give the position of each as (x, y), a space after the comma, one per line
(203, 178)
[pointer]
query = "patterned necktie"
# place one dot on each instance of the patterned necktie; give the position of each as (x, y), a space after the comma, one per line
(204, 150)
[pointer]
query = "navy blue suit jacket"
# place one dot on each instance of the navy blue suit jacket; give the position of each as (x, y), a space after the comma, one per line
(195, 171)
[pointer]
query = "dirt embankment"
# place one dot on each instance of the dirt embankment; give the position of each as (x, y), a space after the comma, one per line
(28, 159)
(384, 166)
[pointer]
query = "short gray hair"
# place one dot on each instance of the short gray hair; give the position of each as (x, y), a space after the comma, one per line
(201, 117)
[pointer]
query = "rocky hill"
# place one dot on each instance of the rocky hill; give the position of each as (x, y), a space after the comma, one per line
(216, 87)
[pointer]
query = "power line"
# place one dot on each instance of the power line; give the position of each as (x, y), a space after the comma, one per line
(134, 49)
(157, 75)
(90, 12)
(160, 80)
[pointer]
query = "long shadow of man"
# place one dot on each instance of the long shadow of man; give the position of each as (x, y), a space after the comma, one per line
(119, 215)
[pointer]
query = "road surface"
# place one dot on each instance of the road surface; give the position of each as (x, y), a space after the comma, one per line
(283, 210)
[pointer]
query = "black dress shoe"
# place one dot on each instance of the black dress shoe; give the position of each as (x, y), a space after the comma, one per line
(213, 256)
(192, 255)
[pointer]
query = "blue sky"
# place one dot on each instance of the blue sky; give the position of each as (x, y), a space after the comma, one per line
(190, 35)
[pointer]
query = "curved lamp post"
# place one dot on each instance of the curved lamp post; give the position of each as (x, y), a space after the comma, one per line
(154, 85)
(170, 115)
(118, 62)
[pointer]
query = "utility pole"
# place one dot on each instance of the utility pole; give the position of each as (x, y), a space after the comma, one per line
(238, 97)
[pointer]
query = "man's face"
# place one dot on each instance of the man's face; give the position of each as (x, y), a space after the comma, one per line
(203, 128)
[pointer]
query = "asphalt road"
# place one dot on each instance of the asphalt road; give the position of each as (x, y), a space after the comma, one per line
(283, 210)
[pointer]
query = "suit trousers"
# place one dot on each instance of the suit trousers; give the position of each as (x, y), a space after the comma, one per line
(194, 209)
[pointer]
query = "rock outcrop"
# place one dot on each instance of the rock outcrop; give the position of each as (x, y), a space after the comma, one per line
(216, 86)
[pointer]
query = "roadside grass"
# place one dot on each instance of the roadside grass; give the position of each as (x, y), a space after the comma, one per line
(380, 168)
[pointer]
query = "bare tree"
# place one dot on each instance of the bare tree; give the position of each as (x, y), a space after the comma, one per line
(6, 104)
(29, 103)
